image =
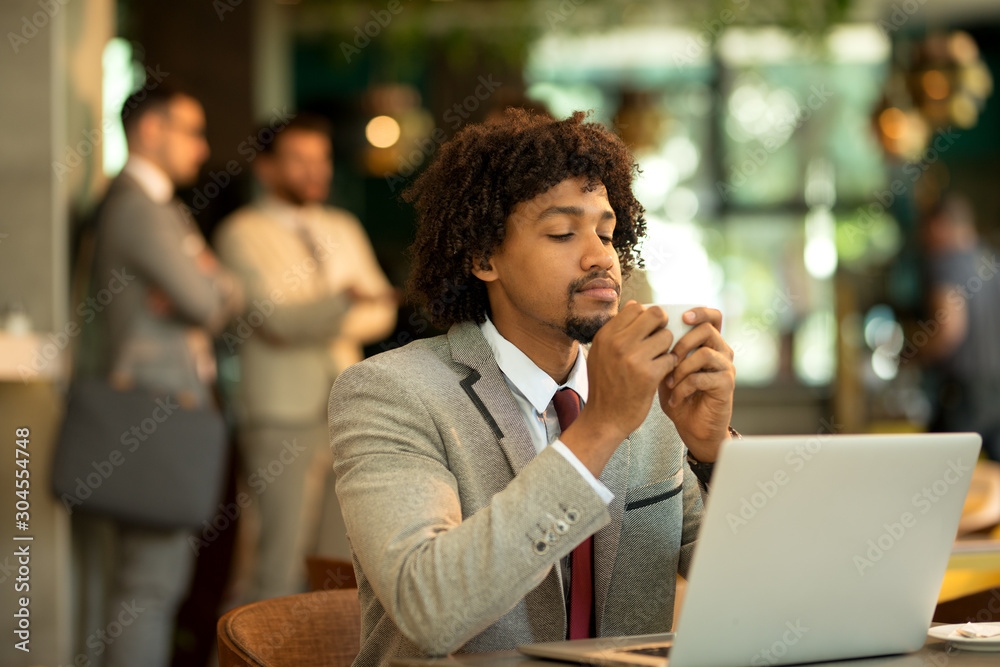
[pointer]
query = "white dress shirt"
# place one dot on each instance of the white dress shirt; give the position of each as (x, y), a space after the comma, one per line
(533, 390)
(153, 180)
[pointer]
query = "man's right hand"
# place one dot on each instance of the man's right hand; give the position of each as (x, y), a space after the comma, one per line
(628, 359)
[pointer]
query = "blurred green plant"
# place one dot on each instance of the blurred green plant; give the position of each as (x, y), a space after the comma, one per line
(467, 33)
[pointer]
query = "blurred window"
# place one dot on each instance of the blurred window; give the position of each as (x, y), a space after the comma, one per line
(754, 151)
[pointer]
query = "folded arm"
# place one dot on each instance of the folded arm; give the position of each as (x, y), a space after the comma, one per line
(373, 314)
(155, 247)
(315, 321)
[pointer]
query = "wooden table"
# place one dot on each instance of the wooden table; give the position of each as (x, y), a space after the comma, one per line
(935, 653)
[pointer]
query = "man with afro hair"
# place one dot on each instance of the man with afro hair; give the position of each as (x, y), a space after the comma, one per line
(503, 484)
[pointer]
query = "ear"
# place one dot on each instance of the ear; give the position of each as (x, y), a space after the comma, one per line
(147, 135)
(263, 169)
(149, 129)
(483, 269)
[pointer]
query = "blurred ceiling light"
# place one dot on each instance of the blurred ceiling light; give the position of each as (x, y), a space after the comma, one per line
(747, 104)
(894, 339)
(820, 258)
(892, 122)
(382, 131)
(746, 46)
(397, 133)
(963, 110)
(884, 365)
(683, 155)
(963, 48)
(936, 84)
(876, 319)
(940, 82)
(814, 348)
(856, 43)
(615, 54)
(657, 178)
(976, 80)
(859, 42)
(820, 253)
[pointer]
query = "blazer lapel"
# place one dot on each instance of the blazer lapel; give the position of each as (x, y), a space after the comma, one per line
(489, 392)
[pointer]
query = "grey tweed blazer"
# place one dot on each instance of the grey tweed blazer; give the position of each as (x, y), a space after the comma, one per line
(456, 524)
(142, 245)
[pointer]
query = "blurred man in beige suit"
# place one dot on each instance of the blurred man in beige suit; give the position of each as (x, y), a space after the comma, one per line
(315, 295)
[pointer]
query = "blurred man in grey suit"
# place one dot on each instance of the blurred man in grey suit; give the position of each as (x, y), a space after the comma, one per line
(960, 339)
(501, 484)
(159, 334)
(315, 296)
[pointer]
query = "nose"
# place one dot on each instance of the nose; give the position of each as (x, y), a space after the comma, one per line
(597, 254)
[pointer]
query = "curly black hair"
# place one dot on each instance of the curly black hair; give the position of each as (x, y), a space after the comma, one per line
(466, 194)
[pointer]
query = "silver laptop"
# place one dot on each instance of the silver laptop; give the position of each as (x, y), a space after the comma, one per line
(812, 548)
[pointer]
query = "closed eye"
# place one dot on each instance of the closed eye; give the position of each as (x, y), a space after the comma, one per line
(560, 237)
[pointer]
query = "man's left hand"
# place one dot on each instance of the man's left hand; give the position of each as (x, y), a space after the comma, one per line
(698, 394)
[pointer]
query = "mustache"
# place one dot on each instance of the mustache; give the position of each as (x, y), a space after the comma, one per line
(578, 284)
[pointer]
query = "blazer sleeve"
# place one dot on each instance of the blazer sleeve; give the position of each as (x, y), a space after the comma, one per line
(314, 321)
(441, 578)
(153, 245)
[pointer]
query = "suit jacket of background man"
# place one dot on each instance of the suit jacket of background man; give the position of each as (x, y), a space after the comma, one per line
(455, 523)
(142, 245)
(300, 329)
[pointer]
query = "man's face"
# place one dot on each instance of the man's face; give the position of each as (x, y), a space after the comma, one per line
(556, 273)
(181, 148)
(300, 169)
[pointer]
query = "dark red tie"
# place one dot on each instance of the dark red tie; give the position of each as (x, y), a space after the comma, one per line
(581, 587)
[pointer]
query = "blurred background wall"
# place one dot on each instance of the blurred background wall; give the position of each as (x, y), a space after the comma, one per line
(788, 150)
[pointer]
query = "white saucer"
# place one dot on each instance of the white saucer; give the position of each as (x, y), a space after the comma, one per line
(965, 643)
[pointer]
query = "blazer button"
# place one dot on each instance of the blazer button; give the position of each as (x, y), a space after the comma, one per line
(560, 526)
(541, 547)
(572, 515)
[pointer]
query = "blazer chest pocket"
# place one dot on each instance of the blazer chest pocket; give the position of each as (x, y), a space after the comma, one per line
(644, 497)
(652, 524)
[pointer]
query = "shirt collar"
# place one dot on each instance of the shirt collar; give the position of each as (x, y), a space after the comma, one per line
(531, 381)
(153, 180)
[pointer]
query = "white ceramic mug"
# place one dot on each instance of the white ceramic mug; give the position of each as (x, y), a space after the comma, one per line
(675, 318)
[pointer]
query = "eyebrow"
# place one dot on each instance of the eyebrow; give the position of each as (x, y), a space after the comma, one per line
(574, 211)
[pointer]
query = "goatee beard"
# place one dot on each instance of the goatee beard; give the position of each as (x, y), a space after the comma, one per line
(583, 329)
